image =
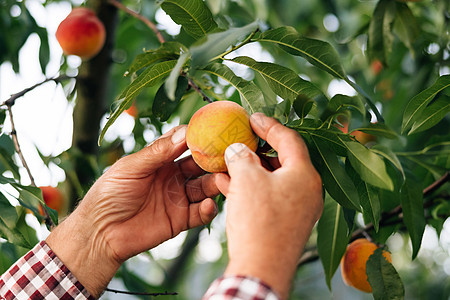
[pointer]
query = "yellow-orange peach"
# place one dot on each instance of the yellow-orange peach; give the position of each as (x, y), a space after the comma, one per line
(213, 128)
(81, 33)
(53, 198)
(353, 264)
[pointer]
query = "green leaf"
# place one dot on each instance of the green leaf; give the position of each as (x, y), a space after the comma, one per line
(383, 278)
(283, 81)
(332, 139)
(369, 166)
(167, 51)
(406, 25)
(368, 197)
(7, 152)
(379, 129)
(319, 53)
(215, 44)
(151, 76)
(336, 181)
(389, 155)
(380, 40)
(431, 115)
(193, 15)
(8, 212)
(163, 107)
(251, 96)
(339, 103)
(413, 214)
(13, 236)
(302, 105)
(171, 82)
(332, 238)
(419, 102)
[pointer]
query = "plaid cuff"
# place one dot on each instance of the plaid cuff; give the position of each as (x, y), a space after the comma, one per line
(41, 275)
(239, 288)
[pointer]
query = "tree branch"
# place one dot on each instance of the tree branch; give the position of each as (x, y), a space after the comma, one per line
(146, 21)
(199, 90)
(141, 293)
(312, 255)
(47, 218)
(12, 100)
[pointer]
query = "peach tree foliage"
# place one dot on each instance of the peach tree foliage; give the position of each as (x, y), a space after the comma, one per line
(398, 183)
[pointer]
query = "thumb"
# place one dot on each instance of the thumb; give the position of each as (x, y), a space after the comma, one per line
(163, 150)
(240, 159)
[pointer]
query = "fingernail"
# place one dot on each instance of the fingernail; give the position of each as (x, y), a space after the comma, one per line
(179, 135)
(234, 151)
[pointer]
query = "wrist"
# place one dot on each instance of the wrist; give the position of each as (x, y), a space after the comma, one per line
(79, 245)
(275, 268)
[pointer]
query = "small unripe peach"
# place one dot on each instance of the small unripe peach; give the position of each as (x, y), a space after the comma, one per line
(213, 128)
(81, 33)
(53, 198)
(353, 264)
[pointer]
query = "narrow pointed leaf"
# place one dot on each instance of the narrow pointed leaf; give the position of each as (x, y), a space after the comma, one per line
(251, 96)
(163, 107)
(151, 76)
(214, 44)
(406, 25)
(379, 129)
(171, 82)
(332, 238)
(369, 166)
(283, 81)
(319, 53)
(167, 51)
(432, 115)
(336, 181)
(193, 15)
(418, 103)
(380, 40)
(383, 278)
(339, 103)
(368, 197)
(413, 213)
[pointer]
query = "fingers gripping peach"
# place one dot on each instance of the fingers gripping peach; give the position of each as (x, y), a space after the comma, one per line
(81, 33)
(213, 128)
(353, 264)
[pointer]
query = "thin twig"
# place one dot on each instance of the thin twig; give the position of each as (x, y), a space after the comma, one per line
(141, 293)
(10, 102)
(146, 21)
(199, 90)
(48, 220)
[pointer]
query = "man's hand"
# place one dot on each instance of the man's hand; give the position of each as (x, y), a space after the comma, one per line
(270, 215)
(141, 201)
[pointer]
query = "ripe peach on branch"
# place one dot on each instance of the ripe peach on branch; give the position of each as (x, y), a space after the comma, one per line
(213, 128)
(353, 264)
(81, 33)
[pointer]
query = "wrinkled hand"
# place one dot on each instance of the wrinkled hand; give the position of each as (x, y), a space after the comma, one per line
(143, 200)
(270, 214)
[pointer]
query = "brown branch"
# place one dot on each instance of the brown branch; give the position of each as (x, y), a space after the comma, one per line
(141, 293)
(12, 100)
(153, 27)
(312, 255)
(48, 220)
(146, 21)
(199, 90)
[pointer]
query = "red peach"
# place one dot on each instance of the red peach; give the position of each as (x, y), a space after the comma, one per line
(81, 33)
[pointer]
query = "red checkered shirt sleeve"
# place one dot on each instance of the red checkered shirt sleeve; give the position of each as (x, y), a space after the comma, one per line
(239, 288)
(40, 274)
